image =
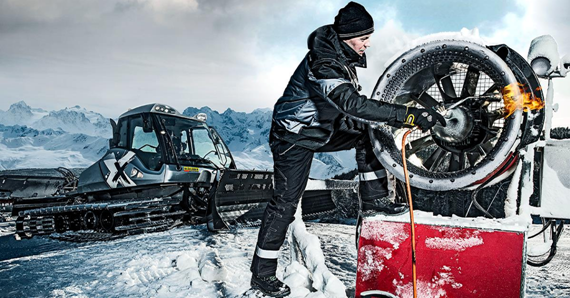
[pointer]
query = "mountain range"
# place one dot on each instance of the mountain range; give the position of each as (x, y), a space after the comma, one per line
(75, 137)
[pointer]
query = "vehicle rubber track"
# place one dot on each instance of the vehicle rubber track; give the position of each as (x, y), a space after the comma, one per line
(100, 221)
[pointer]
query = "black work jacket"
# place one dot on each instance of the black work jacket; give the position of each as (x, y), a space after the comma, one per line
(322, 95)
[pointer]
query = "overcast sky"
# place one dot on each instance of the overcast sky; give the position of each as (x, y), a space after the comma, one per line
(110, 55)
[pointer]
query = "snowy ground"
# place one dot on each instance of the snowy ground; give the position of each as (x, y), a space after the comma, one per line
(191, 262)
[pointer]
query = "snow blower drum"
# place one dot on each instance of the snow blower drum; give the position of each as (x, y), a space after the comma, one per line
(480, 141)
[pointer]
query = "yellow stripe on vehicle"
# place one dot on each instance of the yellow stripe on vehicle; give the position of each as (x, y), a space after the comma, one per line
(191, 169)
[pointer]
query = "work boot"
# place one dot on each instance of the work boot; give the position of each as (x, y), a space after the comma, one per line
(270, 286)
(383, 206)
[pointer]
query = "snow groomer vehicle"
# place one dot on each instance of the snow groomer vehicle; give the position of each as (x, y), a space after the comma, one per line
(162, 169)
(476, 182)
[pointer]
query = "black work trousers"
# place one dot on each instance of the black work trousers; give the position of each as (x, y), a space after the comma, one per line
(292, 164)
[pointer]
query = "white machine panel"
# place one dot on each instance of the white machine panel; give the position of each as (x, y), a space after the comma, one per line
(555, 199)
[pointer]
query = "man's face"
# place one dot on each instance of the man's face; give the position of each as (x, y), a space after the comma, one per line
(359, 44)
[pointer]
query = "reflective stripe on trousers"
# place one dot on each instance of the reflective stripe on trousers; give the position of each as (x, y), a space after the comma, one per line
(292, 165)
(374, 175)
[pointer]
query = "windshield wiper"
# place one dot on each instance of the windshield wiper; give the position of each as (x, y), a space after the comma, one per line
(170, 144)
(199, 159)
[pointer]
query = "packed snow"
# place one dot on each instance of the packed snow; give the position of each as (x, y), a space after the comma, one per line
(317, 259)
(189, 261)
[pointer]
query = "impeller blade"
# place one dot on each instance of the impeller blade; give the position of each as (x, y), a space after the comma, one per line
(457, 162)
(472, 157)
(427, 101)
(470, 83)
(418, 144)
(435, 159)
(442, 75)
(447, 87)
(493, 88)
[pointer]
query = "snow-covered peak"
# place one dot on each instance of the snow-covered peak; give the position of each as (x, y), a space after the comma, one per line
(92, 116)
(262, 111)
(76, 120)
(241, 131)
(73, 119)
(20, 105)
(18, 114)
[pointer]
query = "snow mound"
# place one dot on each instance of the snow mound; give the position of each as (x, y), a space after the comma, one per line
(322, 280)
(211, 267)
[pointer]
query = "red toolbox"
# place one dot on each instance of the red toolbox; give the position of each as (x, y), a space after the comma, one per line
(455, 257)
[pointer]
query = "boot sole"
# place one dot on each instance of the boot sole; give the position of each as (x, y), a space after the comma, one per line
(372, 214)
(272, 294)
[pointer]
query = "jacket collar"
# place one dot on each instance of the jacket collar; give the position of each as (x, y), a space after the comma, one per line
(324, 43)
(352, 56)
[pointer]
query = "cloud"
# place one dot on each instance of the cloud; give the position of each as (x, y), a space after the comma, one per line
(388, 40)
(115, 54)
(112, 55)
(539, 18)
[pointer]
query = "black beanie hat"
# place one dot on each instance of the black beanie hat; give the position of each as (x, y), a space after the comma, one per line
(352, 21)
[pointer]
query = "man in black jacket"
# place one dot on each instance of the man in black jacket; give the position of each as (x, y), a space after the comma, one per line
(321, 110)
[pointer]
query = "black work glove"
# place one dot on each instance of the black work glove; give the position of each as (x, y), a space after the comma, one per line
(424, 119)
(356, 125)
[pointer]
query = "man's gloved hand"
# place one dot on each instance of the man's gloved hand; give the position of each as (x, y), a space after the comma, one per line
(424, 119)
(356, 125)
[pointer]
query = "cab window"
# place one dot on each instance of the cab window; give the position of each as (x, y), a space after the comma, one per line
(202, 143)
(144, 142)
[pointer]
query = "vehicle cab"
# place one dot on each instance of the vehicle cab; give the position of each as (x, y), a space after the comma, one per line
(154, 144)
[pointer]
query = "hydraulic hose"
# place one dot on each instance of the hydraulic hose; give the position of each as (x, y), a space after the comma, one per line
(409, 192)
(556, 233)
